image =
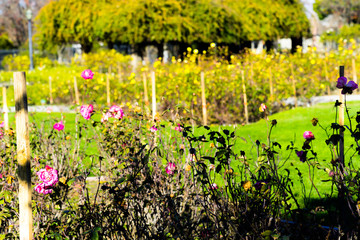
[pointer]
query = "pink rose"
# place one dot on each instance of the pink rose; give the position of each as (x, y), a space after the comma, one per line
(105, 117)
(153, 129)
(116, 112)
(87, 74)
(213, 186)
(86, 111)
(41, 188)
(59, 126)
(114, 109)
(170, 168)
(178, 128)
(262, 108)
(308, 135)
(48, 176)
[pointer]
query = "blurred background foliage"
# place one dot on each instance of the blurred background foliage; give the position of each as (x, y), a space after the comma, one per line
(162, 21)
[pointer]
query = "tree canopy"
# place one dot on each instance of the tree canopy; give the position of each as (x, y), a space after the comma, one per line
(160, 21)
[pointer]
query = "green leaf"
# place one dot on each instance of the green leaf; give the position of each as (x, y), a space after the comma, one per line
(95, 233)
(121, 180)
(70, 181)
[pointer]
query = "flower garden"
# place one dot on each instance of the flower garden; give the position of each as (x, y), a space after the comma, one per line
(123, 173)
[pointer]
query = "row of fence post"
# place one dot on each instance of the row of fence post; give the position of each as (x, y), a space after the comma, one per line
(146, 99)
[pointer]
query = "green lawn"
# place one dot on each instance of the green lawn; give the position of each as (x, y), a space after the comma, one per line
(290, 127)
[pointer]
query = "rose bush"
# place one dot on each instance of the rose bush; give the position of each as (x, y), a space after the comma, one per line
(133, 177)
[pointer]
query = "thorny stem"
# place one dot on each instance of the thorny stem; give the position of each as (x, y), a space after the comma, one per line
(311, 180)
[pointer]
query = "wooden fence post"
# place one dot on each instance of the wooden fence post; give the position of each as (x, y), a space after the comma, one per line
(153, 94)
(108, 89)
(251, 73)
(245, 97)
(271, 85)
(327, 75)
(146, 98)
(23, 156)
(203, 98)
(353, 63)
(293, 84)
(5, 110)
(341, 119)
(77, 97)
(120, 74)
(50, 90)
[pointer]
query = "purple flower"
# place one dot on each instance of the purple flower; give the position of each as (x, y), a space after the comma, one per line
(341, 82)
(170, 168)
(352, 85)
(347, 87)
(301, 155)
(258, 185)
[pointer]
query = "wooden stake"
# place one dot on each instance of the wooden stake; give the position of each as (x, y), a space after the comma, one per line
(77, 97)
(354, 70)
(341, 119)
(108, 89)
(146, 98)
(23, 156)
(203, 98)
(251, 73)
(50, 90)
(271, 85)
(327, 75)
(5, 110)
(153, 94)
(293, 84)
(245, 97)
(120, 74)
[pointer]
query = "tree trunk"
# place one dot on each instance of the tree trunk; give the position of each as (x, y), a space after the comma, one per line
(86, 45)
(295, 41)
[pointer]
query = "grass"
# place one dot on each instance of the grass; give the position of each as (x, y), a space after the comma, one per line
(290, 126)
